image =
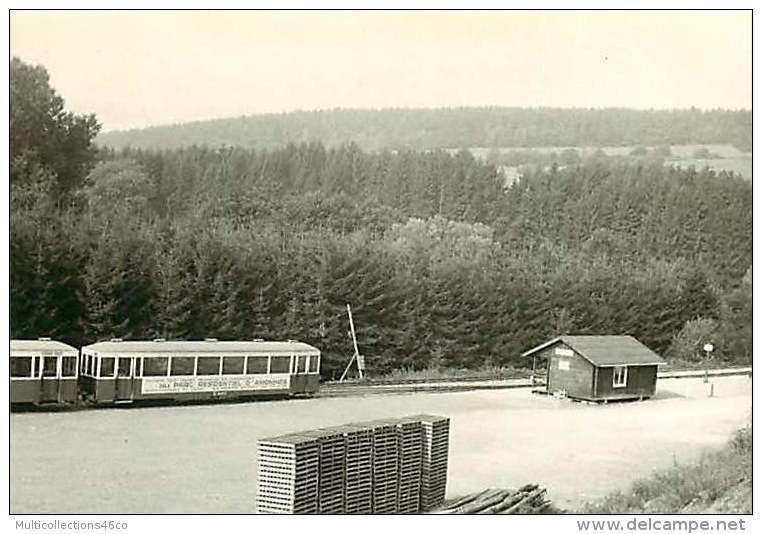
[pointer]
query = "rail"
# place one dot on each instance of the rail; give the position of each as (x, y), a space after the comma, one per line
(359, 388)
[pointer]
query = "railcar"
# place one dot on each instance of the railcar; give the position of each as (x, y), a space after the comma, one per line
(119, 371)
(43, 371)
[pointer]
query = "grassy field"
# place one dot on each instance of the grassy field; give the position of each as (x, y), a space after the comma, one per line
(678, 151)
(202, 459)
(723, 157)
(720, 482)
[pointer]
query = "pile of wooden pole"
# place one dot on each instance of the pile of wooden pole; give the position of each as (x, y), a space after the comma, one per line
(529, 499)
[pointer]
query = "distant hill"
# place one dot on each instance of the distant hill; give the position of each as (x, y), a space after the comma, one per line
(452, 128)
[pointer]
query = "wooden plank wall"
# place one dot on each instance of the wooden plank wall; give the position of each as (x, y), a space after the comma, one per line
(641, 382)
(577, 381)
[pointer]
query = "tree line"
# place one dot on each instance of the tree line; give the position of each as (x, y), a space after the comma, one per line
(444, 264)
(426, 129)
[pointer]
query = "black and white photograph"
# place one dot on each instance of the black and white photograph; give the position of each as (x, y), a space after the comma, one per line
(421, 262)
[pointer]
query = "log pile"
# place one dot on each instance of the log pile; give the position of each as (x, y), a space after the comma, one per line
(528, 499)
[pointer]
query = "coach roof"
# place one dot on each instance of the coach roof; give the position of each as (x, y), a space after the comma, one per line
(175, 347)
(40, 345)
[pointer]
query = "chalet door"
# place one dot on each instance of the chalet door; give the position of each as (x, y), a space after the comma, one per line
(125, 379)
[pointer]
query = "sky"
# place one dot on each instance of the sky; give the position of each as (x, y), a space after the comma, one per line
(135, 69)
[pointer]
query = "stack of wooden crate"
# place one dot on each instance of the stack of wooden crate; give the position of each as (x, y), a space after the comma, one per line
(359, 468)
(436, 431)
(410, 431)
(288, 475)
(383, 467)
(331, 470)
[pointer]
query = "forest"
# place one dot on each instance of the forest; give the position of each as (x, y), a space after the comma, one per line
(445, 266)
(427, 129)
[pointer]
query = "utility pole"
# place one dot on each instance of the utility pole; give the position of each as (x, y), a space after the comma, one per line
(356, 356)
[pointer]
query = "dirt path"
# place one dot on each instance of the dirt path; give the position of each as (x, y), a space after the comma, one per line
(202, 459)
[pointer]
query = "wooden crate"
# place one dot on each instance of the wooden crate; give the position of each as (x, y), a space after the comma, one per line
(385, 466)
(332, 461)
(436, 435)
(410, 433)
(288, 475)
(359, 468)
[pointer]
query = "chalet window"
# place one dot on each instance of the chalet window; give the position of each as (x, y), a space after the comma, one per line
(620, 376)
(563, 365)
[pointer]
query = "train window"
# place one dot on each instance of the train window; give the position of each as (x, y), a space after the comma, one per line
(123, 367)
(182, 365)
(69, 366)
(301, 364)
(91, 366)
(314, 364)
(36, 366)
(50, 366)
(21, 367)
(138, 366)
(233, 365)
(280, 364)
(256, 365)
(107, 367)
(155, 366)
(208, 365)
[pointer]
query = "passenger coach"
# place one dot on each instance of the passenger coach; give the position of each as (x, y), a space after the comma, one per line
(43, 371)
(125, 371)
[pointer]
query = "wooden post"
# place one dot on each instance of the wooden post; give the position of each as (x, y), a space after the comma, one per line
(360, 365)
(356, 355)
(534, 366)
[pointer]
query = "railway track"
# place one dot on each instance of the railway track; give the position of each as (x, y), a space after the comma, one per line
(349, 389)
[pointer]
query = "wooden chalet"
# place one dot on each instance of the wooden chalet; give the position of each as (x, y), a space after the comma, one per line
(598, 368)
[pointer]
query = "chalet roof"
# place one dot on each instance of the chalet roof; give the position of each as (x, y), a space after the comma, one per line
(40, 345)
(179, 347)
(606, 351)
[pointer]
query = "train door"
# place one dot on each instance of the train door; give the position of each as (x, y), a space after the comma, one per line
(125, 379)
(50, 386)
(299, 384)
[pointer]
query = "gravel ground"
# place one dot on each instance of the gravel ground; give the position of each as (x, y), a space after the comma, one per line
(202, 459)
